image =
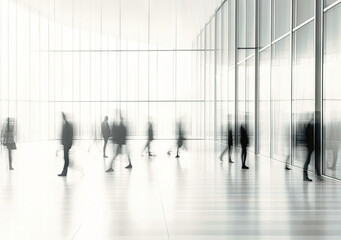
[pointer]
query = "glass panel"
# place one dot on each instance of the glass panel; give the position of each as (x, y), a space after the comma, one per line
(264, 22)
(184, 89)
(241, 99)
(218, 77)
(303, 102)
(232, 102)
(250, 101)
(281, 15)
(231, 33)
(331, 93)
(241, 30)
(328, 2)
(264, 102)
(280, 99)
(303, 10)
(250, 26)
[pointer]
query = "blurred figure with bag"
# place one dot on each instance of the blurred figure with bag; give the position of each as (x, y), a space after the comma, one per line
(7, 138)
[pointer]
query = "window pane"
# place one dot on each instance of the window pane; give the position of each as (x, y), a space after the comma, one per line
(250, 26)
(280, 99)
(241, 29)
(303, 10)
(303, 101)
(331, 93)
(328, 2)
(264, 102)
(231, 33)
(281, 13)
(250, 101)
(264, 22)
(241, 99)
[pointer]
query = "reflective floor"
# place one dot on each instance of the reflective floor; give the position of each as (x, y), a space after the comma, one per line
(194, 197)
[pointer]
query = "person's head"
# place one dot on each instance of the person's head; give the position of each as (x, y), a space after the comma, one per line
(106, 118)
(63, 116)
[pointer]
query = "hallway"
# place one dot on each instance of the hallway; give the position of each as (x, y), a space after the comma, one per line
(195, 197)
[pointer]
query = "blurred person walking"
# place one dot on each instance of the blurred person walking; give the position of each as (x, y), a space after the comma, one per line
(309, 137)
(7, 137)
(228, 146)
(310, 145)
(119, 133)
(105, 129)
(150, 138)
(180, 138)
(244, 142)
(67, 140)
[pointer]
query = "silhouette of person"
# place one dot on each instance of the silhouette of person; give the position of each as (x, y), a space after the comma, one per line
(228, 146)
(7, 137)
(309, 137)
(119, 133)
(180, 139)
(287, 142)
(335, 140)
(244, 142)
(150, 138)
(67, 140)
(105, 129)
(114, 138)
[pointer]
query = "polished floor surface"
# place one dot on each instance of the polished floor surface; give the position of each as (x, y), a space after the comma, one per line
(194, 197)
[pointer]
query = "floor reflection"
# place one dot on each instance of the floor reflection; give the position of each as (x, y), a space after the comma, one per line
(194, 197)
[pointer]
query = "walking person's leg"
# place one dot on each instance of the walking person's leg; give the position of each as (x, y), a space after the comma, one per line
(287, 163)
(242, 157)
(10, 159)
(222, 154)
(66, 161)
(148, 147)
(229, 152)
(318, 168)
(116, 150)
(177, 152)
(128, 155)
(306, 165)
(244, 154)
(105, 147)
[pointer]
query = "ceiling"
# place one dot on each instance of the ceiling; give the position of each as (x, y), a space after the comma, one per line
(163, 23)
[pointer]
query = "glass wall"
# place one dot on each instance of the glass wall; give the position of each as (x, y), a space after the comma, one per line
(280, 65)
(90, 58)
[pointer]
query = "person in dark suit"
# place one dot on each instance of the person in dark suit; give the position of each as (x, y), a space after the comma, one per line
(114, 137)
(309, 137)
(119, 133)
(150, 138)
(244, 142)
(180, 139)
(67, 140)
(229, 145)
(7, 137)
(105, 129)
